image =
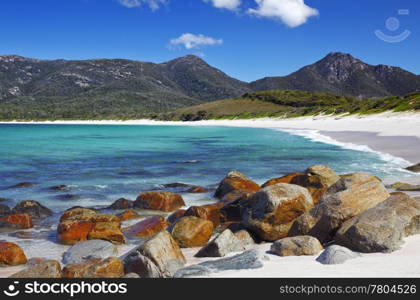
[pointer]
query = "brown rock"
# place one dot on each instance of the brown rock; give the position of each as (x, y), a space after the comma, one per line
(21, 221)
(33, 208)
(235, 181)
(72, 231)
(42, 269)
(325, 175)
(209, 212)
(176, 215)
(11, 254)
(163, 201)
(22, 185)
(270, 213)
(191, 232)
(236, 195)
(284, 179)
(414, 168)
(107, 230)
(197, 190)
(80, 212)
(297, 246)
(147, 228)
(351, 195)
(110, 267)
(128, 215)
(121, 203)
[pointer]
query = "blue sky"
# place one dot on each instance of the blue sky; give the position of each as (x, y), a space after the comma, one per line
(248, 39)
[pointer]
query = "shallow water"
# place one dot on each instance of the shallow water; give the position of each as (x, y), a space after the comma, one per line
(101, 163)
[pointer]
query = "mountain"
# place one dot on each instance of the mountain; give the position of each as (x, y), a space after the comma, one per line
(176, 83)
(342, 74)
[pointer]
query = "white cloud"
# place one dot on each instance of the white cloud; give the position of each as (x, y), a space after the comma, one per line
(190, 41)
(153, 4)
(291, 12)
(227, 4)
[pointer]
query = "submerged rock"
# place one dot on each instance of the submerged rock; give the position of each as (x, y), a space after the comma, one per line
(83, 251)
(297, 246)
(61, 187)
(163, 201)
(33, 208)
(197, 190)
(44, 269)
(348, 197)
(270, 213)
(11, 254)
(223, 244)
(191, 231)
(334, 255)
(22, 185)
(235, 182)
(110, 267)
(382, 228)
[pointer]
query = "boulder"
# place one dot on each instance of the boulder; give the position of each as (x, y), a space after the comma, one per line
(326, 175)
(44, 269)
(223, 244)
(334, 255)
(163, 201)
(297, 246)
(197, 190)
(146, 228)
(233, 211)
(11, 254)
(176, 215)
(33, 208)
(245, 237)
(20, 221)
(414, 168)
(164, 252)
(128, 215)
(83, 251)
(209, 212)
(141, 266)
(122, 203)
(348, 197)
(191, 231)
(270, 213)
(381, 228)
(235, 196)
(235, 182)
(251, 259)
(110, 267)
(4, 210)
(80, 224)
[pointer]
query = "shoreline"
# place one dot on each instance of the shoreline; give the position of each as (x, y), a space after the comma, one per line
(395, 134)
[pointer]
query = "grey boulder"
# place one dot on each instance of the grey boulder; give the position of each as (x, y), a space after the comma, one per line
(297, 246)
(334, 255)
(223, 244)
(83, 251)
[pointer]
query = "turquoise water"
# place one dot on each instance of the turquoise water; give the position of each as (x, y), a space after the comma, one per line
(101, 163)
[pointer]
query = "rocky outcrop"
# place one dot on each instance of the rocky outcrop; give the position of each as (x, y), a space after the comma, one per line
(334, 255)
(209, 212)
(297, 246)
(223, 244)
(81, 224)
(269, 213)
(158, 257)
(122, 203)
(33, 208)
(128, 215)
(191, 231)
(110, 267)
(83, 251)
(414, 168)
(20, 221)
(163, 201)
(146, 228)
(44, 269)
(235, 182)
(348, 197)
(11, 254)
(381, 228)
(251, 259)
